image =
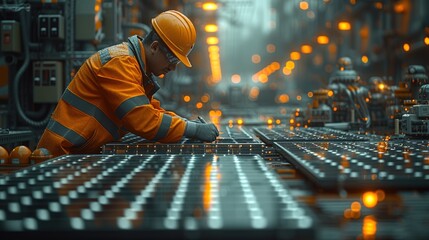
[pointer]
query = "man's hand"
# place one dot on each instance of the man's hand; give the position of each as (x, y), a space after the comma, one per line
(203, 131)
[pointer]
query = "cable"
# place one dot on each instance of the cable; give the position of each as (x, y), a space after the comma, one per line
(358, 95)
(20, 72)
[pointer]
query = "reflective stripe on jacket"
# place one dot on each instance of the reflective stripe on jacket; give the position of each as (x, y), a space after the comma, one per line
(105, 97)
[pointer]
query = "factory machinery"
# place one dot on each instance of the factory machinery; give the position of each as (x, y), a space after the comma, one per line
(353, 164)
(253, 182)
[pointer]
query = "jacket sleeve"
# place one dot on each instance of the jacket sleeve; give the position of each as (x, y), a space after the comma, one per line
(156, 104)
(120, 81)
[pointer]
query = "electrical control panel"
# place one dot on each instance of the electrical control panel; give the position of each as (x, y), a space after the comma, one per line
(51, 26)
(48, 81)
(10, 36)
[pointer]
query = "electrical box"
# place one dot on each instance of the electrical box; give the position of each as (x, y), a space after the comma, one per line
(48, 81)
(89, 21)
(10, 36)
(112, 15)
(51, 26)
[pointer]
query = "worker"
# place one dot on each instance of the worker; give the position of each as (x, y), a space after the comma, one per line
(112, 93)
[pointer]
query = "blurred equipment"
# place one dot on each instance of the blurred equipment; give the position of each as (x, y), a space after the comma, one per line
(380, 97)
(408, 94)
(349, 165)
(416, 122)
(349, 99)
(315, 134)
(414, 79)
(319, 112)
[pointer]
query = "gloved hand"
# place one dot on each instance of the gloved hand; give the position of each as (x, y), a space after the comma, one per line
(203, 131)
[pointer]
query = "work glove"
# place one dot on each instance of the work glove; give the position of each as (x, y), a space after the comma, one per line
(206, 132)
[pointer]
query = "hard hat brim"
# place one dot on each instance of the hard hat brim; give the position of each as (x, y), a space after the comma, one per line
(184, 60)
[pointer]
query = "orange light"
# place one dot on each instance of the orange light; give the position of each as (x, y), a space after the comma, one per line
(347, 213)
(303, 5)
(355, 207)
(275, 65)
(209, 6)
(426, 40)
(240, 121)
(199, 105)
(186, 98)
(212, 40)
(406, 47)
(270, 121)
(283, 98)
(295, 56)
(306, 49)
(207, 197)
(205, 98)
(263, 78)
(254, 93)
(213, 49)
(286, 71)
(290, 65)
(211, 28)
(344, 26)
(322, 39)
(369, 227)
(364, 59)
(369, 199)
(399, 8)
(378, 5)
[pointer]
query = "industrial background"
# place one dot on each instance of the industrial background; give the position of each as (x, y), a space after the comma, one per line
(322, 106)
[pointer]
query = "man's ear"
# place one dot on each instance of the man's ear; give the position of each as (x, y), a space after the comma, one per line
(154, 46)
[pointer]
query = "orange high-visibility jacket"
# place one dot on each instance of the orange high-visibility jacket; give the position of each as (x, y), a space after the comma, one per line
(107, 98)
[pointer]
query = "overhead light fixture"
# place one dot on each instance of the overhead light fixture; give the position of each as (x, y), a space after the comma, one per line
(211, 28)
(209, 6)
(212, 40)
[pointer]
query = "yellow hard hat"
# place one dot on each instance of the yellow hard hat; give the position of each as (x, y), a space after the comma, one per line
(177, 32)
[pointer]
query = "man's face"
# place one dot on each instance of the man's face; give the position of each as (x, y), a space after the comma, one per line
(163, 61)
